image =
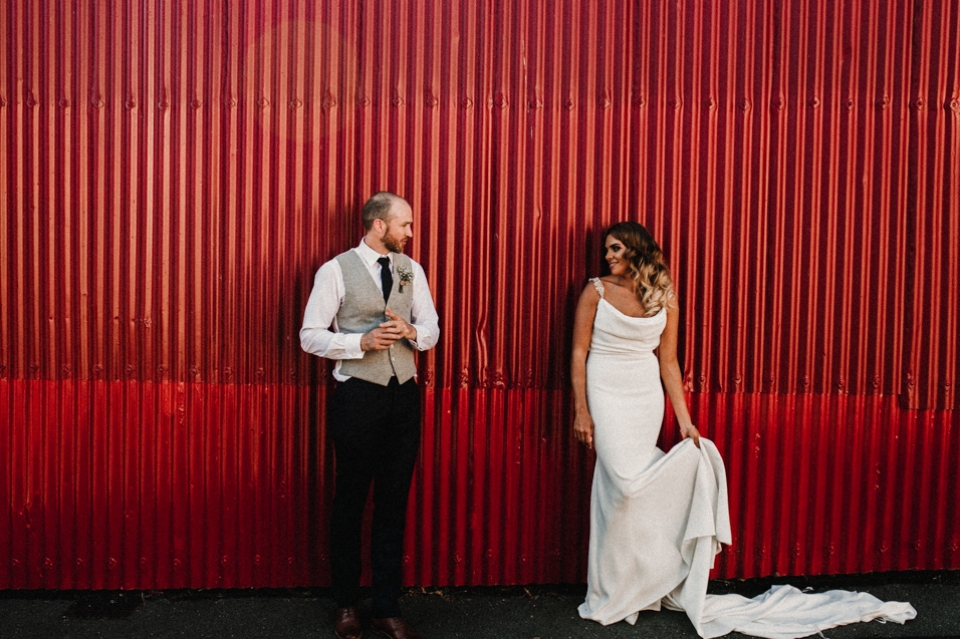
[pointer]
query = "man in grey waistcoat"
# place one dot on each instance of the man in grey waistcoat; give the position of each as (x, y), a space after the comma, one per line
(369, 310)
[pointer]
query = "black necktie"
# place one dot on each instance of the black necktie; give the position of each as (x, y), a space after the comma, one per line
(386, 277)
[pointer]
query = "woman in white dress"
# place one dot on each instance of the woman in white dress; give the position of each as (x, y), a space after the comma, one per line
(641, 500)
(658, 520)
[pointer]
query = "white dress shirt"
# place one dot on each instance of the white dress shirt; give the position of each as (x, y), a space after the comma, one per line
(319, 334)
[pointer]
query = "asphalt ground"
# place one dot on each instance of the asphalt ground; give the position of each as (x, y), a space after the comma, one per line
(531, 612)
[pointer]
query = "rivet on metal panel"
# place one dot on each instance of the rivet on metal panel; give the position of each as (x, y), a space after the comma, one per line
(840, 384)
(918, 103)
(228, 372)
(130, 104)
(194, 370)
(501, 100)
(535, 104)
(638, 99)
(163, 105)
(257, 559)
(97, 103)
(161, 369)
(65, 370)
(329, 101)
(467, 103)
(953, 104)
(177, 562)
(63, 103)
(224, 560)
(711, 103)
(605, 103)
(231, 102)
(263, 102)
(745, 106)
(737, 379)
(3, 103)
(364, 101)
(260, 372)
(568, 105)
(884, 102)
(674, 103)
(97, 369)
(296, 104)
(815, 102)
(32, 101)
(397, 101)
(432, 100)
(778, 103)
(849, 103)
(195, 103)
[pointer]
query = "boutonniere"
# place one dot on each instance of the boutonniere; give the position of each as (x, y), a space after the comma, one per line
(406, 277)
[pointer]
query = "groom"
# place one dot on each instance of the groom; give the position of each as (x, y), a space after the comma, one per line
(370, 309)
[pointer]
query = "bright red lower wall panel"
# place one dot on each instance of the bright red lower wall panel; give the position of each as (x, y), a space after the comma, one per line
(146, 485)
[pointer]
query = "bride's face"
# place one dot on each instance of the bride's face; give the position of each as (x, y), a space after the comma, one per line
(615, 259)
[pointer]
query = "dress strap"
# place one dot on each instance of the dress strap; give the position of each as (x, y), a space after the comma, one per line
(597, 284)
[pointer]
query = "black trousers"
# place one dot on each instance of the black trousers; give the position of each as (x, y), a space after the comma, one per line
(376, 437)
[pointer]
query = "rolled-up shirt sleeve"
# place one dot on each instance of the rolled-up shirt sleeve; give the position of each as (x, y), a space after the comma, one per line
(319, 334)
(423, 314)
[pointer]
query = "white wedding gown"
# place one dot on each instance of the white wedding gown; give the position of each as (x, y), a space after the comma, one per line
(658, 520)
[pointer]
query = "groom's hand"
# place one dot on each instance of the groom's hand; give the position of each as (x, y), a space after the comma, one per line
(379, 339)
(398, 325)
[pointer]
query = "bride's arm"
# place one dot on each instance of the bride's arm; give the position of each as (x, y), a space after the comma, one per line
(582, 332)
(671, 375)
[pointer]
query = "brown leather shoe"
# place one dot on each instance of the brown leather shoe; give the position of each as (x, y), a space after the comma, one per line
(348, 624)
(393, 628)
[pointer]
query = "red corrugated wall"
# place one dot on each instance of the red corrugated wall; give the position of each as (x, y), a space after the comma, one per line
(173, 173)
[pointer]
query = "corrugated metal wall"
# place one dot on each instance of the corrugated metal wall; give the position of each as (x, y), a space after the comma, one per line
(172, 174)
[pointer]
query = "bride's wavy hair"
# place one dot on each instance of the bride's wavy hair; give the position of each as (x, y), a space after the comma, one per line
(649, 272)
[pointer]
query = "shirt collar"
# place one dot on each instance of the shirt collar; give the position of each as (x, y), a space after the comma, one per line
(369, 255)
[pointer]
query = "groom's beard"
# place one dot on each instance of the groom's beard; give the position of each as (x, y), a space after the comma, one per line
(394, 245)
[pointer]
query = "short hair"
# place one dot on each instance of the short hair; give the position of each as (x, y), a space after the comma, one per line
(378, 207)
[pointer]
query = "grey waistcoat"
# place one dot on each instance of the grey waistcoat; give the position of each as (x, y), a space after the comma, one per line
(363, 310)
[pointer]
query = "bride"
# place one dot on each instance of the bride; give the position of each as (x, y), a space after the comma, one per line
(658, 520)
